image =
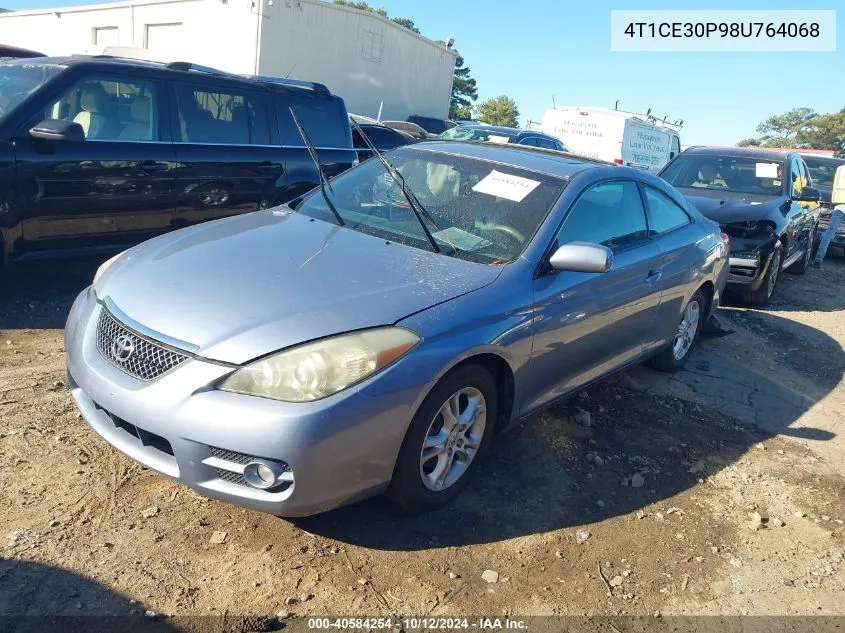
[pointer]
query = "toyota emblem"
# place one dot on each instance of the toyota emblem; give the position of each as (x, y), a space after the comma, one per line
(122, 348)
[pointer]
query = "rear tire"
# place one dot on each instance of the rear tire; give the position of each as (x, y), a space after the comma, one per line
(763, 294)
(472, 391)
(675, 356)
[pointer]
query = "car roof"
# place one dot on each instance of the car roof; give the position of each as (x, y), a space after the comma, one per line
(266, 82)
(824, 159)
(741, 152)
(550, 162)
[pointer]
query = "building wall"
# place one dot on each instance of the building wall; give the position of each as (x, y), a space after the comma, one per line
(359, 55)
(208, 32)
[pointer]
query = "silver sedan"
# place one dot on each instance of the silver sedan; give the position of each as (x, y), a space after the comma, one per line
(374, 336)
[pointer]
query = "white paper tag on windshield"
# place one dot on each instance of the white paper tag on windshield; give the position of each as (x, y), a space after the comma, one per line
(497, 139)
(506, 186)
(767, 170)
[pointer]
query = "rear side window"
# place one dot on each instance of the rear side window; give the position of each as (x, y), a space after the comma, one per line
(610, 214)
(210, 115)
(384, 138)
(547, 143)
(663, 214)
(324, 120)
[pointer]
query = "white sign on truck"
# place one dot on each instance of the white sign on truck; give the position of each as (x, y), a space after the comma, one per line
(614, 136)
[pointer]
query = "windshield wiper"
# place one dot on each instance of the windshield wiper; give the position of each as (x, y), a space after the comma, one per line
(323, 180)
(417, 208)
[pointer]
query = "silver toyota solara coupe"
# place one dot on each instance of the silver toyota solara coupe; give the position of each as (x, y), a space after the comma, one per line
(373, 335)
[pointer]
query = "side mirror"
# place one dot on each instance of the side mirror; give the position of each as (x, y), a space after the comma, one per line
(58, 130)
(582, 257)
(808, 194)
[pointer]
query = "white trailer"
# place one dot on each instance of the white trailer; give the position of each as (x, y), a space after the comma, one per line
(359, 55)
(624, 138)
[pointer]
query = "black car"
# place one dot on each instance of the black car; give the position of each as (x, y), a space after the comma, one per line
(430, 124)
(498, 134)
(98, 153)
(382, 137)
(763, 200)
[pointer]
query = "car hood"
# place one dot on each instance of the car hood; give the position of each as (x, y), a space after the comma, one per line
(242, 287)
(726, 207)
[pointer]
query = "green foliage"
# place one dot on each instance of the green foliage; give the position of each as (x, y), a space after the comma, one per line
(499, 110)
(802, 128)
(364, 6)
(408, 24)
(464, 91)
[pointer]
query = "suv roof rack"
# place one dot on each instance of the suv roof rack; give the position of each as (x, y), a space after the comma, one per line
(296, 83)
(186, 66)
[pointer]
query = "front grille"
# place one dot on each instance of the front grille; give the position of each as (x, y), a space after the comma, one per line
(134, 354)
(242, 460)
(231, 456)
(147, 439)
(235, 478)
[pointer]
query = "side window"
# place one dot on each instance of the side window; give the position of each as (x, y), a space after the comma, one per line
(797, 181)
(547, 143)
(209, 115)
(110, 108)
(610, 214)
(324, 120)
(531, 141)
(805, 175)
(663, 213)
(383, 138)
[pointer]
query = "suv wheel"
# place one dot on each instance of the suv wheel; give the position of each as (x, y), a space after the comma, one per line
(763, 294)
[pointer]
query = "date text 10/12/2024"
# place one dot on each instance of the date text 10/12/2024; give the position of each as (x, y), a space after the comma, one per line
(421, 623)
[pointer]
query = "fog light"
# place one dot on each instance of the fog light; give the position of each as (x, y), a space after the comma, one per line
(263, 474)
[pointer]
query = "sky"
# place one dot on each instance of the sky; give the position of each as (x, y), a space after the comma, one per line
(534, 51)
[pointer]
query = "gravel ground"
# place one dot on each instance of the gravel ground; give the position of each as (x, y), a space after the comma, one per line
(715, 491)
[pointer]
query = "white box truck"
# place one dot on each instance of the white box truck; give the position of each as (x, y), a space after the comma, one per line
(615, 136)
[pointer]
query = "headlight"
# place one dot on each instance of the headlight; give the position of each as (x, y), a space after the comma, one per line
(319, 369)
(103, 268)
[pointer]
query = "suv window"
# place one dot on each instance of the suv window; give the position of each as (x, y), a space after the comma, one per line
(531, 141)
(797, 181)
(547, 143)
(211, 115)
(382, 138)
(324, 121)
(610, 214)
(110, 108)
(663, 213)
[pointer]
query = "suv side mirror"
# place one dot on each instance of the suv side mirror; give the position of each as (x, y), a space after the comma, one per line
(58, 130)
(582, 257)
(808, 194)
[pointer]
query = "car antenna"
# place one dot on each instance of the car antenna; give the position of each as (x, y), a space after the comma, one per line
(323, 180)
(417, 208)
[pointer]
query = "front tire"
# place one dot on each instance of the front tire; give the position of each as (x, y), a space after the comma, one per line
(763, 294)
(674, 357)
(448, 437)
(800, 267)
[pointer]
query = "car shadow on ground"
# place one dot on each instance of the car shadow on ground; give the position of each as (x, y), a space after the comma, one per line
(671, 430)
(675, 431)
(815, 291)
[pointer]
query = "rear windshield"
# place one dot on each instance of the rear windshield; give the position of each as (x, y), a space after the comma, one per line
(474, 134)
(325, 121)
(822, 170)
(18, 80)
(483, 212)
(738, 174)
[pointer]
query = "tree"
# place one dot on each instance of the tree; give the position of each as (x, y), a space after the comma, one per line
(749, 142)
(826, 131)
(783, 130)
(464, 91)
(499, 110)
(408, 24)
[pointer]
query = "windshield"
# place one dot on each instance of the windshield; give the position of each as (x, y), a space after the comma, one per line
(19, 80)
(822, 170)
(739, 174)
(472, 134)
(485, 212)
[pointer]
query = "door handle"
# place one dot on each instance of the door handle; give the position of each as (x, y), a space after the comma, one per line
(653, 276)
(152, 166)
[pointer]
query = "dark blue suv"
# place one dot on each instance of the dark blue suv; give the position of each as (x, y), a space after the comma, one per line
(99, 153)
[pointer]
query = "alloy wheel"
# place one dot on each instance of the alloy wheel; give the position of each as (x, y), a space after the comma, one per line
(687, 330)
(453, 439)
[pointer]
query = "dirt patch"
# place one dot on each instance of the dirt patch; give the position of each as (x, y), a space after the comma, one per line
(650, 506)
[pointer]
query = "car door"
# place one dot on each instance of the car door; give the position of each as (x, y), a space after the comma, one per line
(800, 215)
(114, 188)
(677, 236)
(588, 324)
(227, 162)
